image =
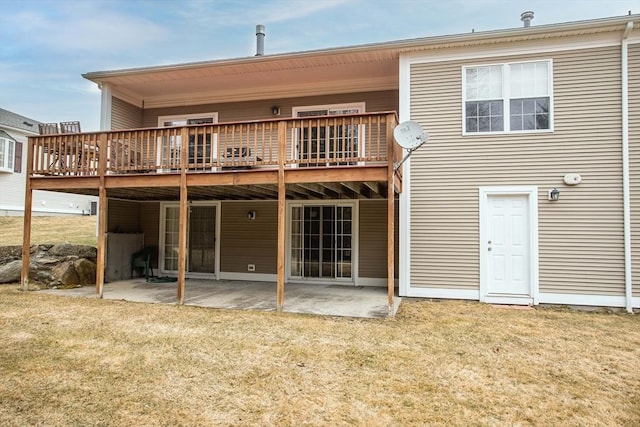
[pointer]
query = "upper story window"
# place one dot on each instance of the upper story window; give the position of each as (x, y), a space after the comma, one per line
(514, 97)
(328, 139)
(202, 149)
(7, 154)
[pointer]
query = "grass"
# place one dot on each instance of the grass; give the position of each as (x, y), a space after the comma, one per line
(76, 361)
(49, 229)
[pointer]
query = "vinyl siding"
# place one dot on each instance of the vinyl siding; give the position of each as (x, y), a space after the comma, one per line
(372, 259)
(581, 236)
(634, 161)
(249, 242)
(261, 109)
(125, 115)
(149, 220)
(122, 216)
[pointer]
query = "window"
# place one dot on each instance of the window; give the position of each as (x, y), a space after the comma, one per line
(513, 97)
(7, 154)
(331, 139)
(201, 149)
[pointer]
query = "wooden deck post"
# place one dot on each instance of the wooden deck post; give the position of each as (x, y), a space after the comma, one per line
(390, 215)
(26, 236)
(184, 216)
(282, 197)
(102, 214)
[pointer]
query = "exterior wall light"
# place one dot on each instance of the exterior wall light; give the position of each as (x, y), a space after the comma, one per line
(251, 215)
(275, 110)
(554, 195)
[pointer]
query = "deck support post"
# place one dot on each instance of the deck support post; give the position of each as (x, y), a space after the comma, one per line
(26, 236)
(102, 214)
(184, 216)
(282, 197)
(390, 215)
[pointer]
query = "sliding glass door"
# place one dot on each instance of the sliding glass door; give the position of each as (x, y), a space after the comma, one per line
(321, 241)
(201, 239)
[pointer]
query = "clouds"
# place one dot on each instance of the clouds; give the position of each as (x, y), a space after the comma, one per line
(79, 27)
(250, 12)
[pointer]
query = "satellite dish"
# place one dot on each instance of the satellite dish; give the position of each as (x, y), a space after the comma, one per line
(409, 135)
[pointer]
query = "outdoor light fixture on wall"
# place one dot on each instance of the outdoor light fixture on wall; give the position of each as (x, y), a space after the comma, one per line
(275, 110)
(554, 195)
(251, 215)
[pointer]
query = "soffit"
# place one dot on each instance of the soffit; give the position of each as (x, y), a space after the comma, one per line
(260, 78)
(355, 68)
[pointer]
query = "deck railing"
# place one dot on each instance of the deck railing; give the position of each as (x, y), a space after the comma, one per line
(314, 141)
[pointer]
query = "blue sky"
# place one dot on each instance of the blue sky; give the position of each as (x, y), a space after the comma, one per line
(45, 45)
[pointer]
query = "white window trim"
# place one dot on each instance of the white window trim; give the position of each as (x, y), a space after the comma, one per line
(355, 235)
(506, 92)
(161, 240)
(185, 117)
(360, 106)
(532, 193)
(7, 157)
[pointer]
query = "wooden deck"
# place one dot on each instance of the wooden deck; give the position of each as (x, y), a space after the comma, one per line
(350, 149)
(328, 157)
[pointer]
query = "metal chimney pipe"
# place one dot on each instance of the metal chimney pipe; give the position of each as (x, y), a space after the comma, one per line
(259, 40)
(526, 17)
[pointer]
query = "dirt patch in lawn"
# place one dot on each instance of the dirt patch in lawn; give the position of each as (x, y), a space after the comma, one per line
(67, 361)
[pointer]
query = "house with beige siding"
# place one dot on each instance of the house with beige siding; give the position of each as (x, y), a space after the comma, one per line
(283, 168)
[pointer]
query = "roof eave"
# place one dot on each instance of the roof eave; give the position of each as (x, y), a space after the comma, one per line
(397, 47)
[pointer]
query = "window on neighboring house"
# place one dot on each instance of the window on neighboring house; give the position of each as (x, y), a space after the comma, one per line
(513, 97)
(10, 155)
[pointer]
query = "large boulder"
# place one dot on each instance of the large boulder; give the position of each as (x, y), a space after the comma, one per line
(86, 271)
(70, 250)
(66, 274)
(64, 264)
(7, 252)
(10, 272)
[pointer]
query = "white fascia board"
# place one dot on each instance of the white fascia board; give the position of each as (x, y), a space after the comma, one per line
(514, 48)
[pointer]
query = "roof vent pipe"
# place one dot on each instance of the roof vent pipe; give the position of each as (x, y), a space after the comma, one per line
(526, 17)
(259, 40)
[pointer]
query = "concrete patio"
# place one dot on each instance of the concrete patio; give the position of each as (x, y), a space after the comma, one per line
(327, 300)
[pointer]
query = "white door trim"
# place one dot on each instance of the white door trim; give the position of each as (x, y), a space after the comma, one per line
(532, 194)
(355, 236)
(163, 206)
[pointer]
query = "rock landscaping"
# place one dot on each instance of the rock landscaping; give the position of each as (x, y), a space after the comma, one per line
(62, 265)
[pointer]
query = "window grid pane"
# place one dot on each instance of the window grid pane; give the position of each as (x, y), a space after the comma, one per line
(529, 114)
(487, 116)
(484, 82)
(3, 145)
(529, 80)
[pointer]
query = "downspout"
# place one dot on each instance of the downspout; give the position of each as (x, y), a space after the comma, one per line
(626, 198)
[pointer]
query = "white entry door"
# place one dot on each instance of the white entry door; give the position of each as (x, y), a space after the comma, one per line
(506, 240)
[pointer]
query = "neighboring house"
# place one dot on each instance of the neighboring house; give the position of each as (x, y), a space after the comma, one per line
(14, 131)
(284, 165)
